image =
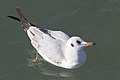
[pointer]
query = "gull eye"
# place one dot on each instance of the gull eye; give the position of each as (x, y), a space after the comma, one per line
(72, 45)
(78, 42)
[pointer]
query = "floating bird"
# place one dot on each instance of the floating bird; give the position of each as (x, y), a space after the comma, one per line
(56, 47)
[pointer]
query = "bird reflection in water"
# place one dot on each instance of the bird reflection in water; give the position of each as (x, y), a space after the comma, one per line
(47, 69)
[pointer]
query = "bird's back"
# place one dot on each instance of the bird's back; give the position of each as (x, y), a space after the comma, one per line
(49, 46)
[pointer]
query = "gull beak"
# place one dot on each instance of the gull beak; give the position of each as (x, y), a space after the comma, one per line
(89, 44)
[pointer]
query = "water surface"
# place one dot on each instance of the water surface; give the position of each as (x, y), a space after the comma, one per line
(93, 20)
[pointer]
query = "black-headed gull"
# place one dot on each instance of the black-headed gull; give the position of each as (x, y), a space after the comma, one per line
(55, 47)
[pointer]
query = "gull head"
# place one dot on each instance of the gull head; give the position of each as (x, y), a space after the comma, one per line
(76, 56)
(78, 43)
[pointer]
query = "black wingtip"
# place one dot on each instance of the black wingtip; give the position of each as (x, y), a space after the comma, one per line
(15, 18)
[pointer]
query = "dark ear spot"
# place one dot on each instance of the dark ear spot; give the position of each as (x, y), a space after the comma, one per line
(72, 45)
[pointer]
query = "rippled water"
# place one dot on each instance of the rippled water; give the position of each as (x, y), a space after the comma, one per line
(93, 20)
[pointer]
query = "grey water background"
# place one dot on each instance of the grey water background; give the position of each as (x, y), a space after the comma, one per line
(93, 20)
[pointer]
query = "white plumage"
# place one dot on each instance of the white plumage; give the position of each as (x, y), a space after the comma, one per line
(55, 47)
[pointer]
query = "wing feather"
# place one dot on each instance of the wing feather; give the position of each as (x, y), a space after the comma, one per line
(45, 44)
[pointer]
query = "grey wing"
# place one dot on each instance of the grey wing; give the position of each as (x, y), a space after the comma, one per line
(51, 43)
(59, 35)
(51, 48)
